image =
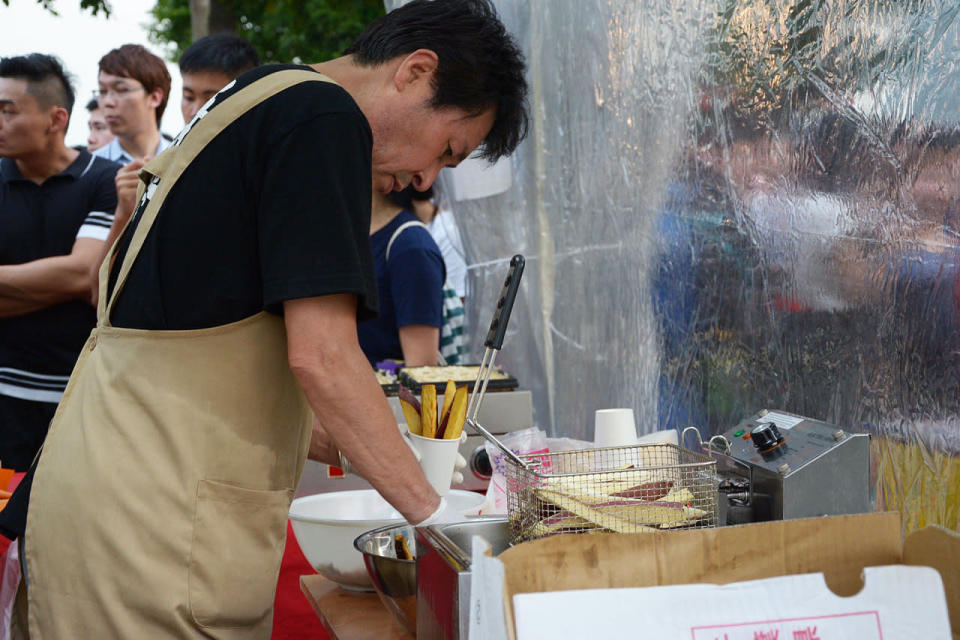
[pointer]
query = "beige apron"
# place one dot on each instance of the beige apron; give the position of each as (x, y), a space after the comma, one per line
(160, 500)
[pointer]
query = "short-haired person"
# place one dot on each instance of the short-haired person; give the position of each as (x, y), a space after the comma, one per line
(133, 87)
(56, 206)
(228, 320)
(410, 277)
(210, 64)
(100, 134)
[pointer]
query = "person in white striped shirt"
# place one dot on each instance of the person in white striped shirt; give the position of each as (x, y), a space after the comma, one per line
(56, 208)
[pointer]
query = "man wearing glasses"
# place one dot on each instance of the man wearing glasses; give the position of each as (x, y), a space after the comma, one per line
(134, 86)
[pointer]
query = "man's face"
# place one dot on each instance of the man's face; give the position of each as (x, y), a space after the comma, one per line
(24, 125)
(127, 107)
(99, 131)
(198, 88)
(411, 144)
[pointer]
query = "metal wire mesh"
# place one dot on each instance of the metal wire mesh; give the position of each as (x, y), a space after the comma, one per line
(621, 489)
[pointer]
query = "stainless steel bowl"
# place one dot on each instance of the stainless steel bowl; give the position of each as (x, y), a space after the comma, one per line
(394, 580)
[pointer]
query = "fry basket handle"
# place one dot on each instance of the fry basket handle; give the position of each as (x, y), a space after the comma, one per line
(501, 315)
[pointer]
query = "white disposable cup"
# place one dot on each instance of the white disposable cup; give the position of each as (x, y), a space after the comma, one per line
(614, 428)
(437, 459)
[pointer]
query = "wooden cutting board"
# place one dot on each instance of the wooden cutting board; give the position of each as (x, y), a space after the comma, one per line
(350, 615)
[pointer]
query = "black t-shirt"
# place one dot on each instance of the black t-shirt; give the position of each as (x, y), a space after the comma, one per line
(276, 207)
(38, 349)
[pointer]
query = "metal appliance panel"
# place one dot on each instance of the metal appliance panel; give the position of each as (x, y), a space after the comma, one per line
(820, 469)
(444, 577)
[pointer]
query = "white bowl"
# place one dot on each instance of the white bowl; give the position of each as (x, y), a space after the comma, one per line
(326, 525)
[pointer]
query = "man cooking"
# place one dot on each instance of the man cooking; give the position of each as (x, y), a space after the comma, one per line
(227, 318)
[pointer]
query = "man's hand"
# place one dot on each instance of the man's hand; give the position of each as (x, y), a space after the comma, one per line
(322, 448)
(127, 181)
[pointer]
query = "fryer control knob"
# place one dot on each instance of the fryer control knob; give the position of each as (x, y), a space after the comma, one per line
(480, 463)
(766, 436)
(839, 435)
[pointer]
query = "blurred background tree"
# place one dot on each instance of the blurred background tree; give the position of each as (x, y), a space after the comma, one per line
(93, 6)
(773, 57)
(281, 30)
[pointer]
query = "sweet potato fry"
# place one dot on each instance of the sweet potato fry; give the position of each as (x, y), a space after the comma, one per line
(428, 411)
(458, 414)
(448, 394)
(411, 409)
(646, 491)
(401, 548)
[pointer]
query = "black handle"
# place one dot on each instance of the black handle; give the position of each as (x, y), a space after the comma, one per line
(498, 326)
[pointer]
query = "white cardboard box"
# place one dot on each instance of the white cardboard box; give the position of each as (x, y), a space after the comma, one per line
(847, 554)
(896, 602)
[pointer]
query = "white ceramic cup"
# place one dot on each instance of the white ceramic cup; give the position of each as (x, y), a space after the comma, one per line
(437, 459)
(614, 428)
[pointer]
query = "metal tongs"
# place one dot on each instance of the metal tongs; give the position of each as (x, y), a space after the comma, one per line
(493, 344)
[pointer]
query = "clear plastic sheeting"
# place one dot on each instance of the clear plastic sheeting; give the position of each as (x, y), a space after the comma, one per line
(612, 85)
(730, 205)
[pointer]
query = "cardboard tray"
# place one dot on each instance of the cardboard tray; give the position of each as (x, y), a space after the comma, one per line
(390, 389)
(837, 546)
(506, 384)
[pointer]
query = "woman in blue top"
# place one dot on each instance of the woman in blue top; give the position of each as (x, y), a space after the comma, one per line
(410, 277)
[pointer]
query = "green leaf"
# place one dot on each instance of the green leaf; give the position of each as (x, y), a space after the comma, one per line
(281, 30)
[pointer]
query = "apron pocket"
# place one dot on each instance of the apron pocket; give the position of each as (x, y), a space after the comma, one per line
(238, 537)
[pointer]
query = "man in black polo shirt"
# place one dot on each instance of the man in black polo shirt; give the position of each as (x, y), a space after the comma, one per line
(56, 208)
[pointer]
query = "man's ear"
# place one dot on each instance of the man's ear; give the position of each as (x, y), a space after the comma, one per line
(59, 119)
(155, 97)
(415, 67)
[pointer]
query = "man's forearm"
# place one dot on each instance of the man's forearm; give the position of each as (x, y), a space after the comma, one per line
(343, 392)
(45, 281)
(356, 415)
(11, 307)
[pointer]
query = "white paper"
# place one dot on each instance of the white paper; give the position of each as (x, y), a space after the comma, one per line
(487, 621)
(782, 420)
(896, 602)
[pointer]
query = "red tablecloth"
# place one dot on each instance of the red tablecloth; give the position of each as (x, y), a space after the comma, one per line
(293, 618)
(4, 543)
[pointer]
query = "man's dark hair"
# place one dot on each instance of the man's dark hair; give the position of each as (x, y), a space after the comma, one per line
(480, 65)
(135, 62)
(93, 105)
(46, 79)
(224, 53)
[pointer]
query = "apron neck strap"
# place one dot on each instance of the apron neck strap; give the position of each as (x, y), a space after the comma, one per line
(159, 175)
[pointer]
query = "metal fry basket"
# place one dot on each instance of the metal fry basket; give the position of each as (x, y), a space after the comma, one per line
(621, 489)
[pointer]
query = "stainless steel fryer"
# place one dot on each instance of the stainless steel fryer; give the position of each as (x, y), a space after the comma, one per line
(777, 465)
